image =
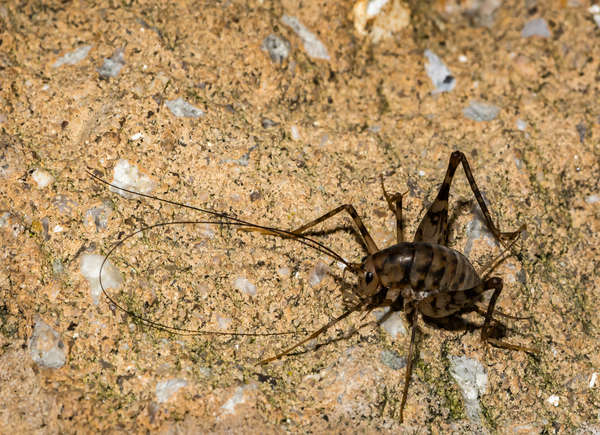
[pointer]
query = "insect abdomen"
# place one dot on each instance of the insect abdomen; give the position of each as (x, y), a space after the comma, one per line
(426, 267)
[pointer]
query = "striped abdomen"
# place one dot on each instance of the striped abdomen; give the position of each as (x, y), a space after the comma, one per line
(427, 268)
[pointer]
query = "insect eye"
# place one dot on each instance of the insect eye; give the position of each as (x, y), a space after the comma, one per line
(369, 277)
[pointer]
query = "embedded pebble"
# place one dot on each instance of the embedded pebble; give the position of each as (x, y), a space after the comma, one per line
(136, 136)
(479, 111)
(42, 178)
(592, 199)
(553, 400)
(245, 286)
(238, 397)
(392, 359)
(294, 132)
(112, 65)
(57, 266)
(314, 48)
(223, 322)
(46, 346)
(593, 379)
(536, 27)
(4, 219)
(64, 204)
(90, 269)
(127, 176)
(277, 46)
(98, 216)
(394, 324)
(317, 274)
(166, 389)
(471, 378)
(73, 57)
(521, 125)
(181, 108)
(284, 272)
(268, 123)
(384, 17)
(477, 229)
(439, 73)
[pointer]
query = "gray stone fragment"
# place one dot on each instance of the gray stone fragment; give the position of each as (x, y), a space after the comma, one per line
(277, 46)
(479, 111)
(46, 346)
(438, 72)
(392, 359)
(112, 65)
(314, 48)
(471, 378)
(73, 57)
(536, 27)
(182, 108)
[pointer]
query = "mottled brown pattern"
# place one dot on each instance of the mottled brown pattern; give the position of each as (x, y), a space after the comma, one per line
(424, 275)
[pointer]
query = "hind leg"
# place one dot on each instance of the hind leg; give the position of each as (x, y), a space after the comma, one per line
(496, 284)
(434, 226)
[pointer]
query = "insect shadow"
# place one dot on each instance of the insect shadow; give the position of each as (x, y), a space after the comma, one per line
(423, 276)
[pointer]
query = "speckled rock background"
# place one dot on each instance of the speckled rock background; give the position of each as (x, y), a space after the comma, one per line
(278, 144)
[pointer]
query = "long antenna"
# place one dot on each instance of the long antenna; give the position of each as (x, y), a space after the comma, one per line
(230, 221)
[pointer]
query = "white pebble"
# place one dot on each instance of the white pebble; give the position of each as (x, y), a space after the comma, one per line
(223, 322)
(90, 269)
(592, 199)
(166, 389)
(553, 400)
(73, 57)
(46, 347)
(136, 136)
(480, 111)
(536, 27)
(521, 125)
(181, 108)
(127, 176)
(238, 397)
(313, 47)
(284, 272)
(394, 324)
(462, 58)
(318, 273)
(58, 229)
(471, 378)
(438, 73)
(594, 9)
(42, 178)
(245, 286)
(593, 379)
(421, 173)
(295, 133)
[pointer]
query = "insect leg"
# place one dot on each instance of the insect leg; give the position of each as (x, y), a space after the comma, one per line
(310, 337)
(496, 284)
(365, 237)
(459, 156)
(412, 320)
(434, 226)
(395, 203)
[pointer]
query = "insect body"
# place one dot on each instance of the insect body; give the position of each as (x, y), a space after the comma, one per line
(423, 276)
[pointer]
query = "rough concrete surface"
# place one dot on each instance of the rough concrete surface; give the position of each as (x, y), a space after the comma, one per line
(189, 94)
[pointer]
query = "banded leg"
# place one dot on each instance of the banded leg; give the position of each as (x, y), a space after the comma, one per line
(362, 232)
(434, 226)
(395, 204)
(412, 320)
(496, 284)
